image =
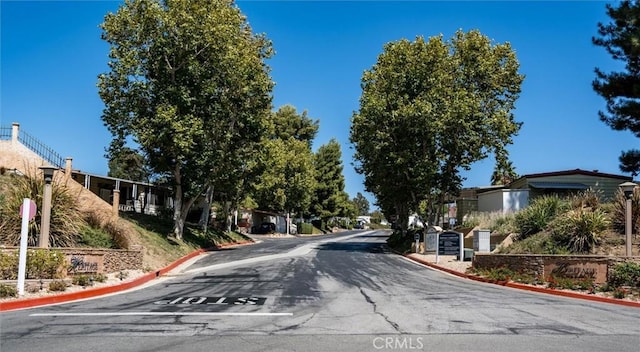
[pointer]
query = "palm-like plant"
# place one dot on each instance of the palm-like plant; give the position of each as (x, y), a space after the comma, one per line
(66, 219)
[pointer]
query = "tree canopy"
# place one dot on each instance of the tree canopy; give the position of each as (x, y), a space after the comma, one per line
(128, 164)
(361, 204)
(621, 90)
(188, 84)
(286, 180)
(429, 109)
(330, 199)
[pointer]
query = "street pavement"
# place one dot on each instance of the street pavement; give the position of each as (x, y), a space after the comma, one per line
(344, 292)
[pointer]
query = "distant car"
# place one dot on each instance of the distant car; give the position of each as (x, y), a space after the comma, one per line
(264, 228)
(358, 226)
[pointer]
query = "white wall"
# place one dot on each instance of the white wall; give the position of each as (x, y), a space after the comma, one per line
(503, 200)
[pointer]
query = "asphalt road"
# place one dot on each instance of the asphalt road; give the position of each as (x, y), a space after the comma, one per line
(338, 293)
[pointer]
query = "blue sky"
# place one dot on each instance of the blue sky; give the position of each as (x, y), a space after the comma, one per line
(51, 55)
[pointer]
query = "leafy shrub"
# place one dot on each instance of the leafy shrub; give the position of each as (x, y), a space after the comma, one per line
(540, 243)
(500, 274)
(96, 238)
(41, 264)
(401, 242)
(57, 286)
(45, 264)
(537, 215)
(625, 274)
(9, 265)
(620, 293)
(305, 228)
(100, 277)
(319, 224)
(569, 283)
(65, 221)
(579, 230)
(8, 291)
(82, 280)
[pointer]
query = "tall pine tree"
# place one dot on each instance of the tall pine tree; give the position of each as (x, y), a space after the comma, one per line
(621, 90)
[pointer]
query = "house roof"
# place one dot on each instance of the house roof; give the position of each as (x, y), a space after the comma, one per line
(578, 172)
(557, 185)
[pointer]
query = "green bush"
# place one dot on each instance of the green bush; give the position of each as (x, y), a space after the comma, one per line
(569, 283)
(45, 264)
(579, 230)
(625, 274)
(57, 286)
(9, 265)
(96, 238)
(100, 277)
(500, 274)
(82, 280)
(402, 242)
(41, 264)
(8, 291)
(540, 243)
(538, 214)
(305, 228)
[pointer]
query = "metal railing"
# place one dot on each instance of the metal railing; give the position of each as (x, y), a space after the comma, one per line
(5, 133)
(42, 150)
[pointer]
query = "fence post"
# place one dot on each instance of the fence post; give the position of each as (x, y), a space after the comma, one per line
(15, 129)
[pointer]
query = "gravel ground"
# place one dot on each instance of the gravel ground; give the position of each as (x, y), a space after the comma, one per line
(32, 289)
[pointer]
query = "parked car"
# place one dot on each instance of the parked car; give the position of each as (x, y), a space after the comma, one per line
(264, 228)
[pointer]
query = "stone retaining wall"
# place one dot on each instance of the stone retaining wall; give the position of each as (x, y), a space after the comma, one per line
(98, 261)
(569, 266)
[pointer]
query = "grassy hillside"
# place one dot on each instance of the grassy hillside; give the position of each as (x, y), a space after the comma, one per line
(82, 228)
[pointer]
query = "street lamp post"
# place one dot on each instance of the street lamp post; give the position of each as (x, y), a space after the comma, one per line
(43, 240)
(628, 188)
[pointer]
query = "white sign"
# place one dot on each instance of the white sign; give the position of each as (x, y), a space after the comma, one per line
(27, 207)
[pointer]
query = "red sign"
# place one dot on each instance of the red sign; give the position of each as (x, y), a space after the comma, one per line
(32, 209)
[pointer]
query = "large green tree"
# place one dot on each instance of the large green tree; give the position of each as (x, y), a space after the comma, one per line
(630, 162)
(621, 90)
(330, 199)
(288, 123)
(503, 172)
(428, 110)
(187, 82)
(286, 180)
(361, 204)
(128, 164)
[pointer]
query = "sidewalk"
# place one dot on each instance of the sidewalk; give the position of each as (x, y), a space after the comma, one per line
(450, 265)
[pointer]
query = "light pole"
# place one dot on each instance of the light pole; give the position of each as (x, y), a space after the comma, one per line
(43, 240)
(628, 188)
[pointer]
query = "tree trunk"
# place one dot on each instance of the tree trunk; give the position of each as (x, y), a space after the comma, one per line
(178, 221)
(206, 212)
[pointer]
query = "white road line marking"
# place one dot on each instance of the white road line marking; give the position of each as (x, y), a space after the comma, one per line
(296, 252)
(116, 314)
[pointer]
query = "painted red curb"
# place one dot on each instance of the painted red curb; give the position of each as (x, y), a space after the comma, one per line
(528, 287)
(94, 292)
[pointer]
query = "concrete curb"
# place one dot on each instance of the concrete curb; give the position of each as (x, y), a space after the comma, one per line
(526, 287)
(100, 291)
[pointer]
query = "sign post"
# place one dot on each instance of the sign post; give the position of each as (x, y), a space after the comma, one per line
(27, 212)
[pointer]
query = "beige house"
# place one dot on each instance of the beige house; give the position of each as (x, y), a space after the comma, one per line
(519, 193)
(22, 153)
